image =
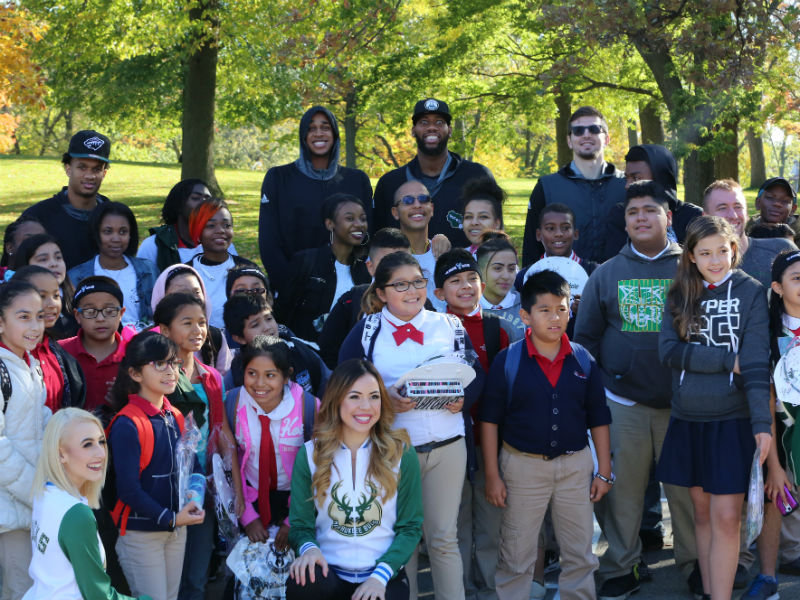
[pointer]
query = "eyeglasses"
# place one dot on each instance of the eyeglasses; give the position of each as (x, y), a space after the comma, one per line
(251, 291)
(163, 365)
(578, 130)
(108, 312)
(409, 200)
(402, 286)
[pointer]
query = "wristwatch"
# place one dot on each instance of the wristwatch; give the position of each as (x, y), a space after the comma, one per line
(609, 481)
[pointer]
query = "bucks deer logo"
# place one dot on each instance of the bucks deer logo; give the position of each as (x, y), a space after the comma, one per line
(354, 518)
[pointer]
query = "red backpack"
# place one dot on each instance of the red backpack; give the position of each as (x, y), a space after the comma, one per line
(144, 428)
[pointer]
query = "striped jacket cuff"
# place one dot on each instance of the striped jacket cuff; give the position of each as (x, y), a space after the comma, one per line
(382, 573)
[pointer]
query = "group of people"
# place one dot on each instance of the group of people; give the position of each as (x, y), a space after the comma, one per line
(581, 405)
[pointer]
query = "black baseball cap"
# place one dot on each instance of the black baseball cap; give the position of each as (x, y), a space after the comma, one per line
(89, 144)
(773, 181)
(431, 106)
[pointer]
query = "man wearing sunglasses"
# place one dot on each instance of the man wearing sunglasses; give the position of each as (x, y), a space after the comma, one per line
(589, 185)
(441, 171)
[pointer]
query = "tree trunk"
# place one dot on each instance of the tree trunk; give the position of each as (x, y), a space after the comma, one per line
(726, 163)
(564, 107)
(697, 174)
(652, 126)
(350, 127)
(197, 145)
(535, 159)
(633, 137)
(758, 166)
(526, 160)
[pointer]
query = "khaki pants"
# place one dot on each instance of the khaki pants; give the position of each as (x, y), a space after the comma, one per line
(637, 434)
(532, 483)
(478, 530)
(442, 473)
(15, 558)
(153, 561)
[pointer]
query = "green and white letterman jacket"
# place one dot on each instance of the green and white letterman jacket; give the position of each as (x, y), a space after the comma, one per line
(360, 535)
(68, 557)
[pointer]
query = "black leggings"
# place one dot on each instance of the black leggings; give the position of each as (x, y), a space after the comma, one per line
(333, 588)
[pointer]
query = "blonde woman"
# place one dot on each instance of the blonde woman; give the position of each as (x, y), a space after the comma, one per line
(356, 510)
(68, 558)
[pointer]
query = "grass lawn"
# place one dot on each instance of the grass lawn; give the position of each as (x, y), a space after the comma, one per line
(143, 186)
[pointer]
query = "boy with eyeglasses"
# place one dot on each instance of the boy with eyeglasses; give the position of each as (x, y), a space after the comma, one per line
(413, 208)
(588, 185)
(98, 347)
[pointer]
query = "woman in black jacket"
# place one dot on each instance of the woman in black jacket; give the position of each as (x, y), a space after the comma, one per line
(321, 275)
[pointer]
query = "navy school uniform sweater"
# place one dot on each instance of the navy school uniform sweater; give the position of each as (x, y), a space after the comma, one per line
(153, 496)
(542, 418)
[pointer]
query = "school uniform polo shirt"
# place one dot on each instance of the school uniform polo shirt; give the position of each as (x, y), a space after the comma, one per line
(99, 376)
(552, 404)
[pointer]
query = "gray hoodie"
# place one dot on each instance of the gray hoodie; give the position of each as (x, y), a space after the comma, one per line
(704, 388)
(620, 319)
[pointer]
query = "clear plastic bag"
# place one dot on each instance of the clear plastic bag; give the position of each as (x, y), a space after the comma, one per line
(260, 570)
(186, 453)
(224, 501)
(755, 502)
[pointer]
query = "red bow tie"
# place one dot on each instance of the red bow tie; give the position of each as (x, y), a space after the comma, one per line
(406, 332)
(711, 286)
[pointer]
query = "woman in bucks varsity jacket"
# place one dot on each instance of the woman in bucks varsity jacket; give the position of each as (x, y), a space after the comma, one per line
(356, 510)
(68, 558)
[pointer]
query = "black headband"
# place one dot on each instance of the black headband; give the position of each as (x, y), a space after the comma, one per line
(782, 262)
(455, 269)
(96, 287)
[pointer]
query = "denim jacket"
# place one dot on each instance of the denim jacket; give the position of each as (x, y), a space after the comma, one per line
(146, 275)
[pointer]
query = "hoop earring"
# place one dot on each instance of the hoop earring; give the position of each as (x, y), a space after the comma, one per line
(365, 241)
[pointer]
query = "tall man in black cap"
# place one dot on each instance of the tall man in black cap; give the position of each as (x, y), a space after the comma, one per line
(441, 171)
(66, 215)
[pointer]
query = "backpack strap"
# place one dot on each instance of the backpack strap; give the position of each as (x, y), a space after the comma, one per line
(144, 431)
(491, 335)
(511, 367)
(5, 384)
(231, 401)
(309, 414)
(583, 357)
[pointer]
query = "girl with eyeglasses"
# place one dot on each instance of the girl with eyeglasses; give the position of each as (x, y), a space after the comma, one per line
(182, 318)
(116, 234)
(152, 536)
(64, 380)
(319, 276)
(398, 335)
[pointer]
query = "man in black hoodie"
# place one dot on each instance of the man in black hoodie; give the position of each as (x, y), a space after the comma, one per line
(441, 171)
(292, 195)
(655, 163)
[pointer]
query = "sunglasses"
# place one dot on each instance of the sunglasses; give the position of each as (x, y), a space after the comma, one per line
(409, 200)
(579, 130)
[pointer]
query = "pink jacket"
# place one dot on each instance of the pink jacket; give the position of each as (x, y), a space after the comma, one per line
(291, 428)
